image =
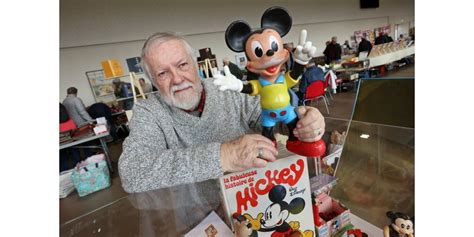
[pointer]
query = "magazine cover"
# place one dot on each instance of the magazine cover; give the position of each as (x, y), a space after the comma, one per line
(271, 201)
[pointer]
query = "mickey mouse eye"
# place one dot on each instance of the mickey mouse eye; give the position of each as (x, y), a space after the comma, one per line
(257, 48)
(403, 225)
(408, 227)
(273, 43)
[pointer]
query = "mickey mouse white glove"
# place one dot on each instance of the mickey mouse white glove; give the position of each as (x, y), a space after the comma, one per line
(305, 50)
(227, 81)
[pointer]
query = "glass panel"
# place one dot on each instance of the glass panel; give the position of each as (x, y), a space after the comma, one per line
(376, 174)
(376, 170)
(386, 101)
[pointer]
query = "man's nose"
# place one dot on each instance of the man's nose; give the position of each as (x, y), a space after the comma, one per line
(177, 78)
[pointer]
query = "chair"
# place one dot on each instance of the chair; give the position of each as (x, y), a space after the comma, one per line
(314, 92)
(327, 77)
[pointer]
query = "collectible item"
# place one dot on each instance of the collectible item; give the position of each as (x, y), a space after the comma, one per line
(401, 225)
(266, 57)
(211, 226)
(270, 201)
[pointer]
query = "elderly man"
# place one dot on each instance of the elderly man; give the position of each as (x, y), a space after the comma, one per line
(190, 131)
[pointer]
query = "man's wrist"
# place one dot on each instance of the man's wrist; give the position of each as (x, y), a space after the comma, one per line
(224, 158)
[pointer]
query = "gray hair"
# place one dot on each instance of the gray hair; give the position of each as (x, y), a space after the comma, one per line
(159, 38)
(72, 90)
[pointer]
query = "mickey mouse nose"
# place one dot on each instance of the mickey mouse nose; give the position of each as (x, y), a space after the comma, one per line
(270, 52)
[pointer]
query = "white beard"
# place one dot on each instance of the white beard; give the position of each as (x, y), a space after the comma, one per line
(188, 103)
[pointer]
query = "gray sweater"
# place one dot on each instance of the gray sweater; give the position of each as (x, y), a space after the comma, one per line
(168, 146)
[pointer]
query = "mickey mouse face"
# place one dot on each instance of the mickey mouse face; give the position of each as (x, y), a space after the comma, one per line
(265, 53)
(274, 216)
(404, 226)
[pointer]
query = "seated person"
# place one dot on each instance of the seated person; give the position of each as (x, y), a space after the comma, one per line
(66, 124)
(191, 131)
(312, 73)
(99, 110)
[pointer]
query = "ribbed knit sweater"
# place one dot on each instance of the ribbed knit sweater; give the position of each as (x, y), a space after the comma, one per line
(168, 146)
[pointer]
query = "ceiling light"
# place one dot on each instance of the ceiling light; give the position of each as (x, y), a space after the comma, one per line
(365, 136)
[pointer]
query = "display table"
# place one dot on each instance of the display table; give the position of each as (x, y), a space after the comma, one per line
(174, 211)
(391, 57)
(87, 138)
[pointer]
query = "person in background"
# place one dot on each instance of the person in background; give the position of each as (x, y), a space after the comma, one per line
(290, 62)
(75, 107)
(234, 69)
(347, 45)
(66, 124)
(388, 38)
(190, 131)
(381, 39)
(99, 110)
(311, 74)
(364, 45)
(146, 87)
(333, 51)
(124, 90)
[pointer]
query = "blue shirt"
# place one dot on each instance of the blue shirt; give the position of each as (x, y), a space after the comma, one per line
(311, 75)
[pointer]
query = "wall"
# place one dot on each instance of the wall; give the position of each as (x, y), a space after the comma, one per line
(94, 30)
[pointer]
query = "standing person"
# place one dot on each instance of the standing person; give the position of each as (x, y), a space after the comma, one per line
(191, 131)
(347, 45)
(234, 69)
(75, 107)
(381, 39)
(146, 87)
(333, 51)
(364, 45)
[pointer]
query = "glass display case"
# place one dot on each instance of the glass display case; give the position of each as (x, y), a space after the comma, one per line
(375, 174)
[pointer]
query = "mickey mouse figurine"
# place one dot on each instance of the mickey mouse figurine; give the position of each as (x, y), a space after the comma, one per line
(266, 56)
(401, 226)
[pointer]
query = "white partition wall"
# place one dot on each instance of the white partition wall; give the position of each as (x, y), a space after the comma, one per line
(95, 30)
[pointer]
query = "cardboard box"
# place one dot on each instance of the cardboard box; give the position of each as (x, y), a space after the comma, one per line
(335, 217)
(112, 68)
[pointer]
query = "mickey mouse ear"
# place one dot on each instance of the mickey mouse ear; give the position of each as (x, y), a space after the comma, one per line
(236, 34)
(277, 18)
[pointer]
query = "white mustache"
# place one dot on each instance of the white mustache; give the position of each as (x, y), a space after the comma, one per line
(181, 86)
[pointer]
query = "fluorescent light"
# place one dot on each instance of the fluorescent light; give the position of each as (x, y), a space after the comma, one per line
(365, 136)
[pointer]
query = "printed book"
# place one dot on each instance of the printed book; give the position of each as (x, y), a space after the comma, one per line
(271, 201)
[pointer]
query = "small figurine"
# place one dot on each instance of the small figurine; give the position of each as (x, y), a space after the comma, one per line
(402, 225)
(316, 217)
(266, 56)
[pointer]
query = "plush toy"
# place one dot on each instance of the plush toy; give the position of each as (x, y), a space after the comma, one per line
(402, 225)
(266, 57)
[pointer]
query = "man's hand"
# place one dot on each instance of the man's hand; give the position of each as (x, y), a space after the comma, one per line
(227, 81)
(242, 153)
(311, 125)
(305, 51)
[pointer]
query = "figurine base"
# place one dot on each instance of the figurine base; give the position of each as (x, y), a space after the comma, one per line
(308, 149)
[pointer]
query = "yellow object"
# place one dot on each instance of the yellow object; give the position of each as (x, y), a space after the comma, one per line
(112, 68)
(274, 96)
